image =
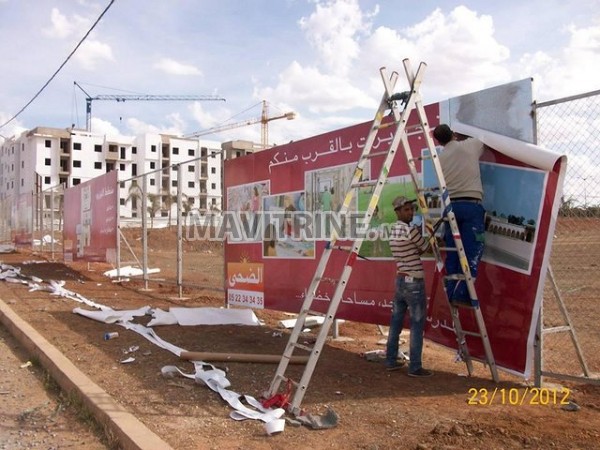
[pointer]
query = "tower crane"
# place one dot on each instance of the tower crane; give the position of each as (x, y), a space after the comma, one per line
(143, 97)
(264, 119)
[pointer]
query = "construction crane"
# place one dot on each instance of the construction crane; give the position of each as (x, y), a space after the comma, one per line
(264, 119)
(138, 97)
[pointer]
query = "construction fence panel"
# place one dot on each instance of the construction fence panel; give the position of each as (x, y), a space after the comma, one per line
(175, 253)
(572, 126)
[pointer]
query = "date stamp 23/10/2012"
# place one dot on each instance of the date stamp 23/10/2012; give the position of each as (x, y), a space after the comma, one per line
(518, 397)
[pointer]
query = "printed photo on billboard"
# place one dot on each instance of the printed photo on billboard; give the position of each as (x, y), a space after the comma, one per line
(288, 232)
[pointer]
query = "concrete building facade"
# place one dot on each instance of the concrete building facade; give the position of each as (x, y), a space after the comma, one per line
(43, 159)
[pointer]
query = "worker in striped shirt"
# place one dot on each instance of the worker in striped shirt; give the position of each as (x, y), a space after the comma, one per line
(407, 244)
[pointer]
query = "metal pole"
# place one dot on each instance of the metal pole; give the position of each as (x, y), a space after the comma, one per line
(33, 203)
(144, 231)
(51, 223)
(179, 234)
(118, 249)
(537, 349)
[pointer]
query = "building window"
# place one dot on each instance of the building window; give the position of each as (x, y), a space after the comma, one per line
(122, 167)
(48, 143)
(123, 155)
(97, 148)
(152, 181)
(238, 154)
(152, 165)
(191, 152)
(47, 180)
(76, 181)
(22, 164)
(76, 163)
(122, 184)
(174, 183)
(97, 165)
(164, 214)
(122, 201)
(191, 184)
(214, 201)
(48, 161)
(176, 150)
(153, 148)
(22, 182)
(191, 168)
(76, 145)
(134, 170)
(213, 170)
(213, 185)
(213, 154)
(134, 150)
(203, 151)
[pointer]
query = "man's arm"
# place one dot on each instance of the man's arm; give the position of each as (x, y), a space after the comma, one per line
(417, 238)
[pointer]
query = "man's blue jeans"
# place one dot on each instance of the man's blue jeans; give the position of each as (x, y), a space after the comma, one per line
(409, 295)
(470, 217)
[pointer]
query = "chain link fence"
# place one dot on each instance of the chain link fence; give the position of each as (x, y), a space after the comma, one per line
(572, 126)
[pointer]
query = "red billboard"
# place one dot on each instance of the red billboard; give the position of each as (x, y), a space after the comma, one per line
(91, 219)
(307, 178)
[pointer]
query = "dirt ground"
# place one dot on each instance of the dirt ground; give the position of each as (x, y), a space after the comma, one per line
(33, 413)
(377, 409)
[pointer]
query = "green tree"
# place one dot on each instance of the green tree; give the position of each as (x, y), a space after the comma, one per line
(168, 200)
(153, 207)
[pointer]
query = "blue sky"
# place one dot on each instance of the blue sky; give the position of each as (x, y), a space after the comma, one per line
(318, 58)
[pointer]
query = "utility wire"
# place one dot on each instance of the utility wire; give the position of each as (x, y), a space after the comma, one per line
(61, 66)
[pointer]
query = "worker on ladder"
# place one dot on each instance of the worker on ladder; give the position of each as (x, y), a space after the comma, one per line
(460, 165)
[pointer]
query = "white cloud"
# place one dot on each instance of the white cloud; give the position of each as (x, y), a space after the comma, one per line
(573, 70)
(174, 125)
(173, 67)
(93, 53)
(460, 50)
(100, 126)
(334, 30)
(321, 93)
(62, 26)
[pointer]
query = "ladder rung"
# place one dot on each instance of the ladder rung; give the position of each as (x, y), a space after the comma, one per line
(386, 125)
(455, 276)
(375, 155)
(435, 190)
(448, 249)
(421, 158)
(471, 333)
(286, 379)
(463, 305)
(345, 248)
(314, 313)
(364, 183)
(303, 347)
(556, 329)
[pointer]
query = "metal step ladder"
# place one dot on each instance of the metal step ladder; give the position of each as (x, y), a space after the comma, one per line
(408, 99)
(450, 219)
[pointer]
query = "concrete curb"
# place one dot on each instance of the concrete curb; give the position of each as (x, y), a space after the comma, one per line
(130, 432)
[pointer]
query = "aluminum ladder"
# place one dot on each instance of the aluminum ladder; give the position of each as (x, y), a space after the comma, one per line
(449, 217)
(400, 121)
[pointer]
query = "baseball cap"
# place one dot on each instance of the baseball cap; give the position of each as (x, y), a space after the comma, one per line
(400, 201)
